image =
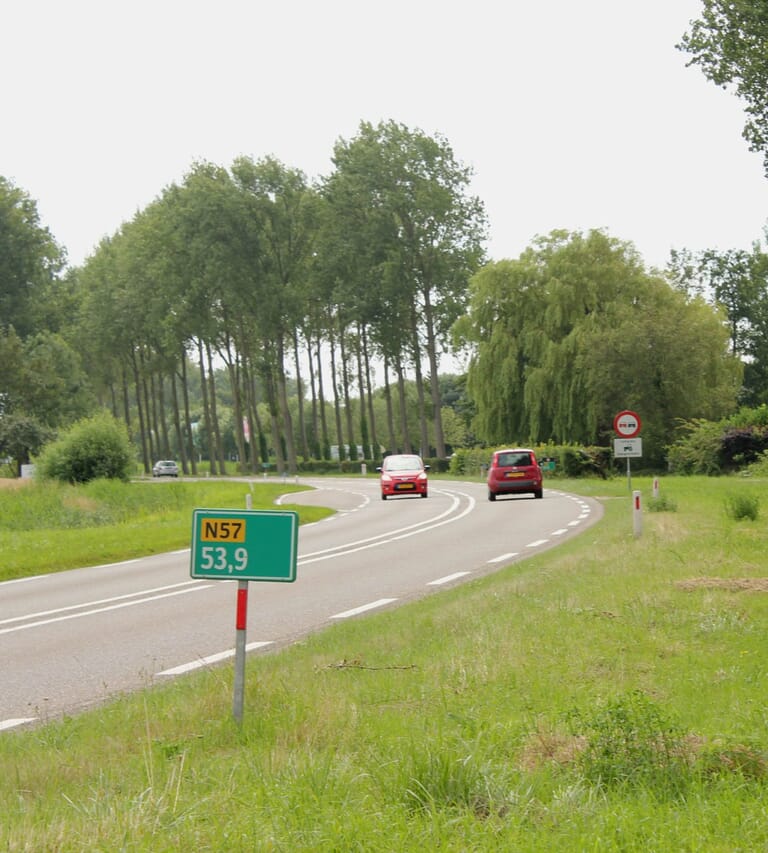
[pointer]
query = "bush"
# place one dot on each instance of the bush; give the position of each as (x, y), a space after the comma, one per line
(739, 507)
(93, 448)
(630, 742)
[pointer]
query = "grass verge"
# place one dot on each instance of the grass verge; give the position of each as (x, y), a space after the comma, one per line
(609, 694)
(49, 527)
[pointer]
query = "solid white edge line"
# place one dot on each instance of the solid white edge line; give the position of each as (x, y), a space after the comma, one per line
(209, 659)
(17, 721)
(448, 578)
(355, 611)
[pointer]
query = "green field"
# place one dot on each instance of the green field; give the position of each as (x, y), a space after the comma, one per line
(608, 694)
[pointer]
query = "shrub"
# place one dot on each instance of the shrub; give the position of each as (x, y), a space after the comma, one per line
(661, 504)
(93, 448)
(739, 507)
(630, 743)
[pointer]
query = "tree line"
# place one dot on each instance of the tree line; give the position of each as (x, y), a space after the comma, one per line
(252, 290)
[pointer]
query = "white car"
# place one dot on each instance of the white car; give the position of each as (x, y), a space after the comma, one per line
(165, 468)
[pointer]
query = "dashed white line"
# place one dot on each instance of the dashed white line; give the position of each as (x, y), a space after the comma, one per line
(537, 543)
(503, 557)
(558, 532)
(209, 659)
(365, 607)
(448, 578)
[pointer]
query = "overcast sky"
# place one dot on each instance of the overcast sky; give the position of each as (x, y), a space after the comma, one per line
(572, 114)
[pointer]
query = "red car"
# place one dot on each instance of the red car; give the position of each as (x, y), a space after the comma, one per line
(514, 471)
(403, 474)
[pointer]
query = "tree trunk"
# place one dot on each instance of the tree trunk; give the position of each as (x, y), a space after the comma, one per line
(206, 409)
(177, 424)
(407, 446)
(217, 444)
(437, 405)
(345, 393)
(336, 406)
(282, 391)
(326, 451)
(390, 409)
(140, 411)
(187, 418)
(300, 395)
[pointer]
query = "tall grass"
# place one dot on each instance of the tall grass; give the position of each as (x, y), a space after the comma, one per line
(50, 526)
(609, 694)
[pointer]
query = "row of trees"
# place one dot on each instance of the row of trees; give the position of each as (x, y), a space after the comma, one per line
(255, 286)
(288, 285)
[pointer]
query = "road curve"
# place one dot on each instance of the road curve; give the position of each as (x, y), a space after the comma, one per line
(74, 639)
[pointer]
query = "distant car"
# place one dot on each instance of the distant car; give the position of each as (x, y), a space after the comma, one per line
(165, 468)
(514, 471)
(403, 474)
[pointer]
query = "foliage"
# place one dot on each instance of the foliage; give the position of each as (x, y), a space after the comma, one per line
(631, 742)
(21, 437)
(576, 330)
(663, 503)
(737, 281)
(729, 43)
(93, 448)
(741, 506)
(715, 447)
(566, 460)
(29, 263)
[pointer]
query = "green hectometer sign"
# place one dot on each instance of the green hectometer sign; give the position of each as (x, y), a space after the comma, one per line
(246, 545)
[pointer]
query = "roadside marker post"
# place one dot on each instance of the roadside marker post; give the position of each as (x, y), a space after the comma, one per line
(243, 545)
(637, 513)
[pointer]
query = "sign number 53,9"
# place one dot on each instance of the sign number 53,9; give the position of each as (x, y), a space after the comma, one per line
(219, 559)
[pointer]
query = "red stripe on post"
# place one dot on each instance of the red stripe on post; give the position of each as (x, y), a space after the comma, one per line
(242, 609)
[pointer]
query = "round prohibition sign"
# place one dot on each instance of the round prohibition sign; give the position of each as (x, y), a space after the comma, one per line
(627, 424)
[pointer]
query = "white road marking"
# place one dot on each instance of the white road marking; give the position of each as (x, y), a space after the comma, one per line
(537, 543)
(13, 722)
(391, 536)
(448, 578)
(209, 659)
(558, 532)
(94, 603)
(99, 610)
(502, 557)
(365, 607)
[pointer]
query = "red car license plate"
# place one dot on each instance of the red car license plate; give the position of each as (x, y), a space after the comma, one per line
(515, 473)
(404, 486)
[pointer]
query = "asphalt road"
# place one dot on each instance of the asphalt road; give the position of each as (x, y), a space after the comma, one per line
(73, 639)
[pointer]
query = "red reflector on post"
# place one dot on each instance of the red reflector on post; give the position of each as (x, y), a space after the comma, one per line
(242, 609)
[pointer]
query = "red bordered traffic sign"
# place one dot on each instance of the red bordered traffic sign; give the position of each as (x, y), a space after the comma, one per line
(627, 424)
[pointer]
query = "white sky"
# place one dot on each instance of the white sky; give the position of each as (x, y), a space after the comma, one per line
(572, 113)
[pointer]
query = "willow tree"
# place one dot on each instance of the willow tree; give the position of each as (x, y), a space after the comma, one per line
(576, 330)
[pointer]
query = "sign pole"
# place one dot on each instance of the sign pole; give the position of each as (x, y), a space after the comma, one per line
(241, 623)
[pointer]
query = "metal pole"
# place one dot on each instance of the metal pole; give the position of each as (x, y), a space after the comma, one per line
(629, 476)
(240, 631)
(241, 622)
